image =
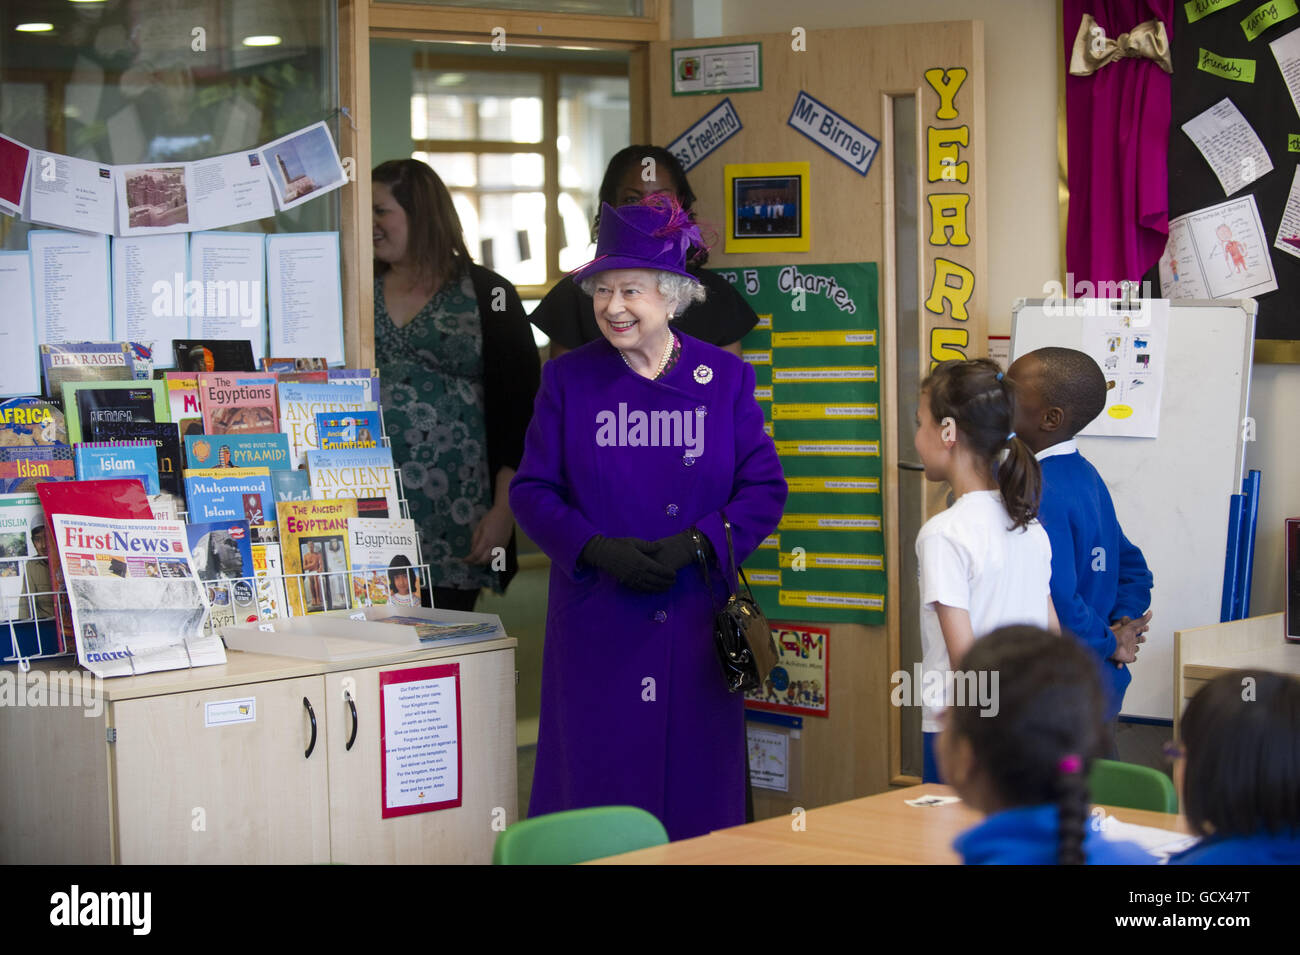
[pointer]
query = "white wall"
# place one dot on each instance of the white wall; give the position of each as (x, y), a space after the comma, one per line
(1021, 42)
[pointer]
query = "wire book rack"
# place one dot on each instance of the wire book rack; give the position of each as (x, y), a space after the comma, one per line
(28, 614)
(29, 603)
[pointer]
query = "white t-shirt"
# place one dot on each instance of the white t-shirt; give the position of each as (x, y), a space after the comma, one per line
(969, 558)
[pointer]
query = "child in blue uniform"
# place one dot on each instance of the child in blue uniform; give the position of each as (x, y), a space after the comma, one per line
(1239, 771)
(1026, 766)
(1101, 586)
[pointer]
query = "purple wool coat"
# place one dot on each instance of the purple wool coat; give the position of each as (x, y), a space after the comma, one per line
(634, 708)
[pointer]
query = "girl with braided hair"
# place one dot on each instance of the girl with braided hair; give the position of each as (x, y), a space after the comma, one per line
(1025, 764)
(986, 561)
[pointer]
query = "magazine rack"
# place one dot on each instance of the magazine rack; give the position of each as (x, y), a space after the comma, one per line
(27, 614)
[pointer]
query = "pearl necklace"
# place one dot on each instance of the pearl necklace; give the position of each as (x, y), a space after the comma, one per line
(668, 350)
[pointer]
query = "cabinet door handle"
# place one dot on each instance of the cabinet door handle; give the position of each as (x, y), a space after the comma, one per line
(353, 707)
(311, 713)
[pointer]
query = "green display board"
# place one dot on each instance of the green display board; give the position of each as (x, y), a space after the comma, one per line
(815, 354)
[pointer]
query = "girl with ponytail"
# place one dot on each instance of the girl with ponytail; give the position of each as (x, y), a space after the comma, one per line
(985, 562)
(1025, 764)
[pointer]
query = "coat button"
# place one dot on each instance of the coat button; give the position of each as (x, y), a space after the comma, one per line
(661, 616)
(671, 510)
(688, 460)
(701, 410)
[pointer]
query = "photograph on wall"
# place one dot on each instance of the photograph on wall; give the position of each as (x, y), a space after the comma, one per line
(303, 165)
(768, 207)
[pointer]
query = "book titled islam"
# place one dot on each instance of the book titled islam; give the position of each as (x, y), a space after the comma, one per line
(136, 603)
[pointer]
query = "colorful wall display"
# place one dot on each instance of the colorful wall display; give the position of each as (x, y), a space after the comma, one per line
(800, 681)
(815, 357)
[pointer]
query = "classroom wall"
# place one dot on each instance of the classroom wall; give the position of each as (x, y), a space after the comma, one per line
(1021, 62)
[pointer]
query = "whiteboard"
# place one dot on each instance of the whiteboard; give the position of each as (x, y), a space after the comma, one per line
(1171, 493)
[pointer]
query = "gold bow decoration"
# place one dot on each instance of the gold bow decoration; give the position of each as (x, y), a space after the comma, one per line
(1093, 49)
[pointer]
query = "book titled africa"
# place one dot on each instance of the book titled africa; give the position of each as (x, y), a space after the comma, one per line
(136, 603)
(314, 550)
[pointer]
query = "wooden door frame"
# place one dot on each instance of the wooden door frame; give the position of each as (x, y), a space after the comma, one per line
(360, 21)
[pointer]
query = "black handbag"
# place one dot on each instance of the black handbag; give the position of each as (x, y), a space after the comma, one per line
(741, 634)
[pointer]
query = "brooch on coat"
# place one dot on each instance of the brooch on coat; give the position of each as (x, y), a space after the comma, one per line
(704, 374)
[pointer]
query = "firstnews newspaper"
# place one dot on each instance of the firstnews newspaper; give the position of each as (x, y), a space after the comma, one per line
(137, 605)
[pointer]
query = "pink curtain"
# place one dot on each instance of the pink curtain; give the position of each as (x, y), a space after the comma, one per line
(1117, 123)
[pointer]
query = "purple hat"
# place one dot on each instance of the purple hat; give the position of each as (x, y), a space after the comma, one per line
(653, 234)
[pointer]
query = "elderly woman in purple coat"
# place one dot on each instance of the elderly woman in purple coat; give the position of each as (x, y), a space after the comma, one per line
(641, 445)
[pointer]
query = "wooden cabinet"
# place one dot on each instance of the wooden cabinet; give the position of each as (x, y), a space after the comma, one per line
(217, 765)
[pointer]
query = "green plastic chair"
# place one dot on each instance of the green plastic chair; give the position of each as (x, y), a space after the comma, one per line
(565, 838)
(1131, 786)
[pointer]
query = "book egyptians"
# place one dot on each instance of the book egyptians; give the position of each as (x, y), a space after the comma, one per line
(385, 556)
(211, 354)
(237, 451)
(291, 486)
(269, 571)
(235, 403)
(314, 548)
(349, 431)
(84, 361)
(222, 554)
(183, 399)
(115, 498)
(88, 402)
(164, 437)
(299, 405)
(364, 474)
(115, 459)
(136, 603)
(216, 494)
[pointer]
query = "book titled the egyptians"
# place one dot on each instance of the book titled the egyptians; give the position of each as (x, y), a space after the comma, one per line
(86, 403)
(84, 361)
(365, 475)
(299, 405)
(237, 451)
(314, 549)
(238, 403)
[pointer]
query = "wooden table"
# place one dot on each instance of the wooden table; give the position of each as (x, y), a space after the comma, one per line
(1203, 653)
(874, 830)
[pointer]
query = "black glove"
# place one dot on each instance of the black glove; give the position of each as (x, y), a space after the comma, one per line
(628, 560)
(679, 550)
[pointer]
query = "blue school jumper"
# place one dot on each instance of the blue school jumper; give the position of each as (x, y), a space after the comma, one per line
(1259, 849)
(1097, 575)
(1030, 835)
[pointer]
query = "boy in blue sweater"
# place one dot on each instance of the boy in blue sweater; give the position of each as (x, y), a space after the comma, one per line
(1100, 582)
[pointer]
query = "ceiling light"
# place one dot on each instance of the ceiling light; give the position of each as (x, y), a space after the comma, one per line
(262, 41)
(34, 27)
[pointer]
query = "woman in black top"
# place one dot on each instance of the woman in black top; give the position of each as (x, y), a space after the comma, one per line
(458, 370)
(722, 319)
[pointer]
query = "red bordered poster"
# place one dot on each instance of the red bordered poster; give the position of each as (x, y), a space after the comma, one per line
(419, 739)
(801, 680)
